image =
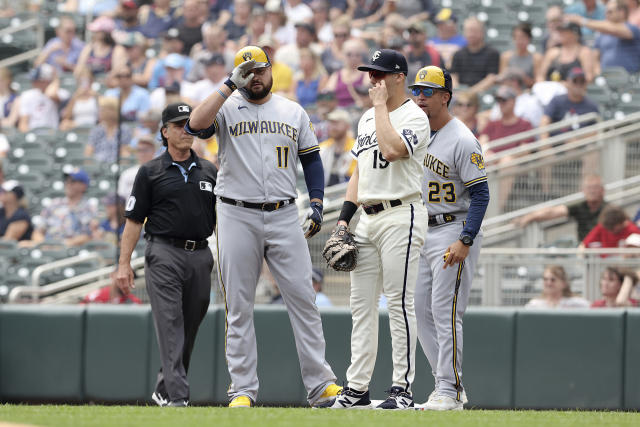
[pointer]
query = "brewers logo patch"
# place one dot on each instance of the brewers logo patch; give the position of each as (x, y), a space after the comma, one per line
(246, 56)
(477, 160)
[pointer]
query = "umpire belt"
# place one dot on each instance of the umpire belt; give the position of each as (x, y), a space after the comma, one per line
(269, 207)
(187, 245)
(441, 219)
(377, 208)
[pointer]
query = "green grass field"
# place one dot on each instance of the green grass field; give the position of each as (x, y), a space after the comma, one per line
(141, 416)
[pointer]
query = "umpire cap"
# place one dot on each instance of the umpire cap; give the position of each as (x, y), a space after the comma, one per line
(434, 77)
(252, 52)
(175, 112)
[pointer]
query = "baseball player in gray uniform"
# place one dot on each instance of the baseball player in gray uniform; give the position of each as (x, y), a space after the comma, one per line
(456, 193)
(261, 136)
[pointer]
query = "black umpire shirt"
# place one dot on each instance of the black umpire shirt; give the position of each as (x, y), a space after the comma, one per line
(177, 202)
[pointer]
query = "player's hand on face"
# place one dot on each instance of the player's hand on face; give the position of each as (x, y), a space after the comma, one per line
(123, 278)
(314, 216)
(455, 253)
(240, 76)
(378, 93)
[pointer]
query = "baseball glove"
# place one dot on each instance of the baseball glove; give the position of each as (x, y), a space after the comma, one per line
(341, 251)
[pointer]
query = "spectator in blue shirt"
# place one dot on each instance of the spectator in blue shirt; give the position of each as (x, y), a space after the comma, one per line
(317, 278)
(618, 44)
(573, 103)
(15, 222)
(63, 50)
(135, 100)
(591, 9)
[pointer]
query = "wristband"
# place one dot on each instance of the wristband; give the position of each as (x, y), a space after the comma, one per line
(222, 94)
(348, 210)
(231, 85)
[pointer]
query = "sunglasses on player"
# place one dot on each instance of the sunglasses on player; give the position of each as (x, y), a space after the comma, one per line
(426, 91)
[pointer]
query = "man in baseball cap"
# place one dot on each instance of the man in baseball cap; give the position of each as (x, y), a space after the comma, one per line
(431, 79)
(386, 61)
(174, 113)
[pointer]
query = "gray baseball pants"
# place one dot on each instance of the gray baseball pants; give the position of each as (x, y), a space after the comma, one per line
(246, 237)
(441, 299)
(179, 286)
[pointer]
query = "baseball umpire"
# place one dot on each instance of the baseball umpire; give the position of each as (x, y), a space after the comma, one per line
(174, 194)
(456, 193)
(261, 136)
(391, 145)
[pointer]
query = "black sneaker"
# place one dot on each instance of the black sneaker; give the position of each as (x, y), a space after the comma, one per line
(398, 399)
(349, 398)
(159, 399)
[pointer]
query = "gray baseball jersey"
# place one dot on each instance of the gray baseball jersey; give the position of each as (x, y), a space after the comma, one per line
(453, 164)
(258, 153)
(258, 148)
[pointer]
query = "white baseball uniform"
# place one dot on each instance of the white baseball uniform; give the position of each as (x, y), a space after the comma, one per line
(389, 245)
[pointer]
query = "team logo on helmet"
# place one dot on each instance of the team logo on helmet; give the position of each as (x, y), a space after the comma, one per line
(422, 75)
(376, 55)
(477, 160)
(246, 56)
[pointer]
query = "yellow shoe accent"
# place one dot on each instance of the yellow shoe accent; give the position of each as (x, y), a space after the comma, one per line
(332, 390)
(241, 402)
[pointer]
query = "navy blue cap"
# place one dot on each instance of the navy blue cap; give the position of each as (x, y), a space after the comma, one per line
(388, 61)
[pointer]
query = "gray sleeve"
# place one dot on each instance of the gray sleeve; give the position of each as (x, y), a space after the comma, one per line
(470, 161)
(307, 141)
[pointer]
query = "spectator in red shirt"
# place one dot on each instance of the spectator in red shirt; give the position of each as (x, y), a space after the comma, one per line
(611, 231)
(509, 124)
(616, 285)
(110, 295)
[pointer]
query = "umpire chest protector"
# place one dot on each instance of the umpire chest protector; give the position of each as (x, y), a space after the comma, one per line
(176, 199)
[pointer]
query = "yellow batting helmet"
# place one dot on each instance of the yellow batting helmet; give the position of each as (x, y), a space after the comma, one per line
(434, 77)
(252, 52)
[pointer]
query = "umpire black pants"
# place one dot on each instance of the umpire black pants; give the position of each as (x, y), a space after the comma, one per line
(179, 284)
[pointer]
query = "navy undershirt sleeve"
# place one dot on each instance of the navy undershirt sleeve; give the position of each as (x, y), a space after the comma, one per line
(479, 201)
(313, 174)
(202, 134)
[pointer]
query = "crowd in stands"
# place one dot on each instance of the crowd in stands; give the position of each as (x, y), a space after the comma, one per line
(135, 56)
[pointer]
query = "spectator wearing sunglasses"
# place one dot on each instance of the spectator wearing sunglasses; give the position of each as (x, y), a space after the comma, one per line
(134, 100)
(465, 107)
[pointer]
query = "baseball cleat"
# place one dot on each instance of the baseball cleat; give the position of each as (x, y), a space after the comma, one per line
(180, 403)
(440, 402)
(349, 398)
(398, 399)
(159, 399)
(241, 402)
(328, 396)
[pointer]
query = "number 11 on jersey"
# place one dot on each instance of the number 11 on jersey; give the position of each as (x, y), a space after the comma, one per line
(282, 153)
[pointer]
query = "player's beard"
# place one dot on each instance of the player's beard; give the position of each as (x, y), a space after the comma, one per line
(255, 95)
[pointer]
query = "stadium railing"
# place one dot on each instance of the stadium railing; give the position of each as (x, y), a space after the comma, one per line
(11, 36)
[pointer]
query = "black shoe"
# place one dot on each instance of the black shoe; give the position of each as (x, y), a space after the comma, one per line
(159, 399)
(398, 399)
(349, 398)
(180, 403)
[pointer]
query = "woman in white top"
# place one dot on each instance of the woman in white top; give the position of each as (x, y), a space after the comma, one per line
(82, 108)
(556, 292)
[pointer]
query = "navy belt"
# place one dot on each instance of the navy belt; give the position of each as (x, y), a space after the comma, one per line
(377, 208)
(269, 207)
(441, 219)
(187, 245)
